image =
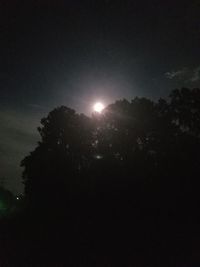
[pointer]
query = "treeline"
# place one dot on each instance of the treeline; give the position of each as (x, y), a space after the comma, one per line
(142, 144)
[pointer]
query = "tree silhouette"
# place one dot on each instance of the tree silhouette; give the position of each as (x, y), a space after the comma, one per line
(123, 183)
(130, 142)
(53, 169)
(185, 107)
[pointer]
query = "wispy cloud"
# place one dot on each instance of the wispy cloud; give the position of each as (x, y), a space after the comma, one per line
(38, 107)
(196, 75)
(185, 75)
(178, 74)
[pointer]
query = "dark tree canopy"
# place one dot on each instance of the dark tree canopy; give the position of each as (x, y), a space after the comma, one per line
(116, 189)
(155, 144)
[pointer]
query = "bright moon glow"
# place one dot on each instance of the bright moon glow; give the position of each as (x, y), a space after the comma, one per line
(98, 107)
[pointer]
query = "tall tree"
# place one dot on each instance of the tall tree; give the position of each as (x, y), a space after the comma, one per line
(52, 170)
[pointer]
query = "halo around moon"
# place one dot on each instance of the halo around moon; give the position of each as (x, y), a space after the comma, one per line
(98, 107)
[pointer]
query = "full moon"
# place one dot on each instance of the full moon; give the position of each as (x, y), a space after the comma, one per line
(98, 107)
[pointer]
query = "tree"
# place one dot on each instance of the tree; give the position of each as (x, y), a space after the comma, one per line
(116, 176)
(53, 169)
(138, 144)
(185, 108)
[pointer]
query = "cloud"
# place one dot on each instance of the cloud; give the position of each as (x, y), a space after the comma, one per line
(38, 107)
(196, 75)
(178, 74)
(184, 75)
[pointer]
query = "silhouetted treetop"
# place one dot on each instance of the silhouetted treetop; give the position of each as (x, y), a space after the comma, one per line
(140, 140)
(185, 107)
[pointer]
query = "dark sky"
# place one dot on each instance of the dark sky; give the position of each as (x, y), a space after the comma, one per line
(76, 52)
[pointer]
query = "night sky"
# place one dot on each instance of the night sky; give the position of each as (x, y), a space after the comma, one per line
(77, 52)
